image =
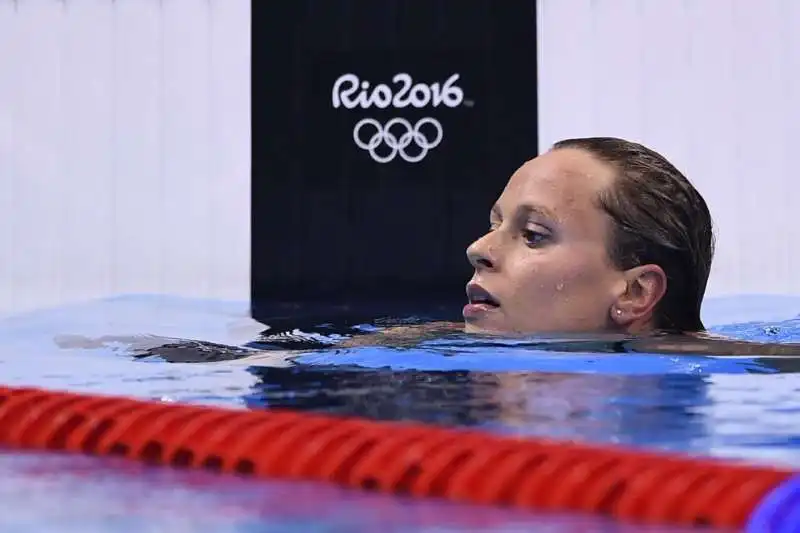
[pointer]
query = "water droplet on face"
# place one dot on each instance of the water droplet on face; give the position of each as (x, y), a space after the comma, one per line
(560, 287)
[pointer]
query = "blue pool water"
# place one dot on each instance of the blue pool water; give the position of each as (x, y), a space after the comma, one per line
(742, 408)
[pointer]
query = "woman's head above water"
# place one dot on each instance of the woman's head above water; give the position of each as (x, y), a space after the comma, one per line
(595, 235)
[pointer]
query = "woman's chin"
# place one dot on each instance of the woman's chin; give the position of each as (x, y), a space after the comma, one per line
(482, 327)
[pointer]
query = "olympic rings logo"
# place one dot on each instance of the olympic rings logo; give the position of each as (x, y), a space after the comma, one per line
(384, 134)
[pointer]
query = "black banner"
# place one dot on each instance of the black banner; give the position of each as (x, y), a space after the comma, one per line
(383, 131)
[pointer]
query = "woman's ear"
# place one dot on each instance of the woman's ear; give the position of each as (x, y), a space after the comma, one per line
(646, 285)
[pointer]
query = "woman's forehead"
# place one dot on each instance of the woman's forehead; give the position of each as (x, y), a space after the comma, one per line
(560, 181)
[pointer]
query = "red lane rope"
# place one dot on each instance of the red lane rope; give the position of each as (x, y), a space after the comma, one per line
(410, 459)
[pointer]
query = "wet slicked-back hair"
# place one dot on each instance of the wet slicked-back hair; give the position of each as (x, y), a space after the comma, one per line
(658, 218)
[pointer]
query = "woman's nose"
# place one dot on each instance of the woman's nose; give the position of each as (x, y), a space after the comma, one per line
(480, 254)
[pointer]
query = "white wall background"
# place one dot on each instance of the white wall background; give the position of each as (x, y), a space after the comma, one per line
(125, 133)
(124, 149)
(712, 84)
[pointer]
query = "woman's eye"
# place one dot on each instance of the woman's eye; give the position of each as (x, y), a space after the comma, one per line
(534, 238)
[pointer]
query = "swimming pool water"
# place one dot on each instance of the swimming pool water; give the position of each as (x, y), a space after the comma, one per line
(742, 408)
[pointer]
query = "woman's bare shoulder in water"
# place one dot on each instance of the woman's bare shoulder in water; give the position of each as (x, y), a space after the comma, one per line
(399, 336)
(175, 350)
(710, 344)
(403, 335)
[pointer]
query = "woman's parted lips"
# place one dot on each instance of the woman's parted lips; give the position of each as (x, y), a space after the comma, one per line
(476, 294)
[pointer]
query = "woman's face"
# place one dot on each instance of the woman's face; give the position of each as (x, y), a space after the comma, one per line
(544, 264)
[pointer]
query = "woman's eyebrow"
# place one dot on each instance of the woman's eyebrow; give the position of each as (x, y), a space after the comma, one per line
(539, 210)
(527, 209)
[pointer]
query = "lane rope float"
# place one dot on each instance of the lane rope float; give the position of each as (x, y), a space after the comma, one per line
(410, 459)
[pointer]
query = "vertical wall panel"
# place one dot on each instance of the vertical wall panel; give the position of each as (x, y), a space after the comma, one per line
(33, 203)
(124, 149)
(623, 59)
(41, 195)
(709, 84)
(138, 144)
(709, 73)
(229, 138)
(186, 198)
(88, 102)
(761, 110)
(9, 37)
